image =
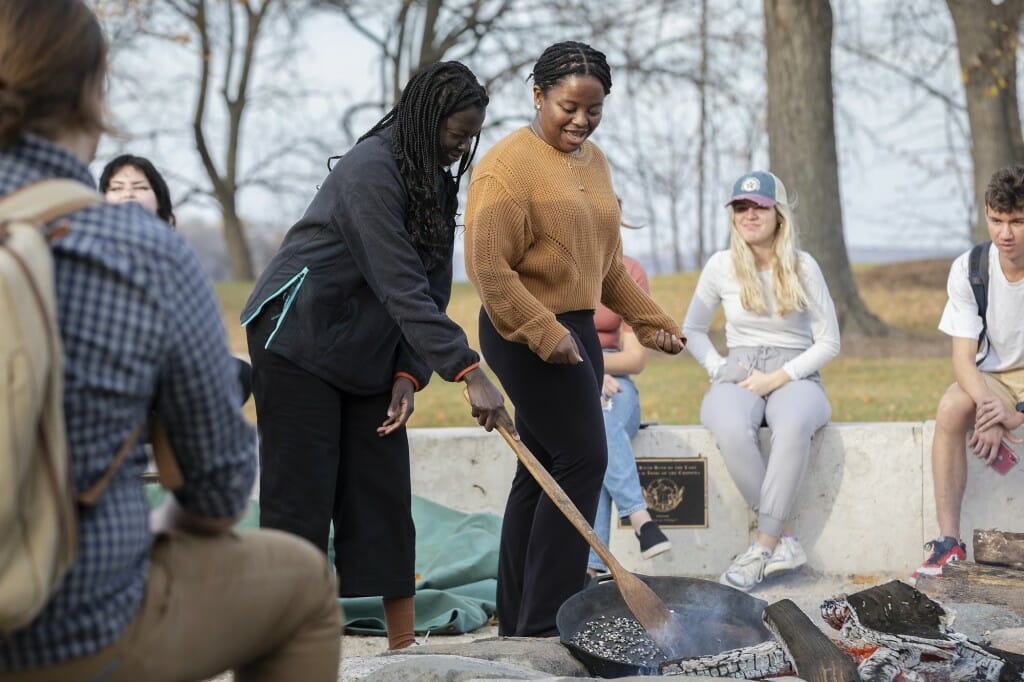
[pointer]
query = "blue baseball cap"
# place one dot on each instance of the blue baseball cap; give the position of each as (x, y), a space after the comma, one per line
(757, 186)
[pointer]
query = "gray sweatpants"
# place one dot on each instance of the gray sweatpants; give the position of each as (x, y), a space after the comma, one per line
(793, 413)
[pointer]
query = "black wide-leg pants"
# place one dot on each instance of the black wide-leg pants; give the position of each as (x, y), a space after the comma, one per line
(321, 460)
(543, 559)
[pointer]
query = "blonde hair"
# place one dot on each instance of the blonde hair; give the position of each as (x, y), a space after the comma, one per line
(786, 287)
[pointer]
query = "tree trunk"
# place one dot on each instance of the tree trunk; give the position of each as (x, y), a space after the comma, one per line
(986, 39)
(239, 258)
(802, 144)
(677, 237)
(702, 137)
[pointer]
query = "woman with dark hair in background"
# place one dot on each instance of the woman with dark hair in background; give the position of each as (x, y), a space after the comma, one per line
(543, 250)
(348, 320)
(135, 178)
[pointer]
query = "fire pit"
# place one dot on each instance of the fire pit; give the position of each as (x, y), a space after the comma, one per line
(885, 632)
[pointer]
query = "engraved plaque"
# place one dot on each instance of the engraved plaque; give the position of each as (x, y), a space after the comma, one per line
(675, 489)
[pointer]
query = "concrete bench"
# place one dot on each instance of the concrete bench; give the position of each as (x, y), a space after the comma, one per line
(865, 507)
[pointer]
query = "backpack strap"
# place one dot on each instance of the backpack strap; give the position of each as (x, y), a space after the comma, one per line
(44, 201)
(40, 203)
(168, 472)
(91, 496)
(977, 274)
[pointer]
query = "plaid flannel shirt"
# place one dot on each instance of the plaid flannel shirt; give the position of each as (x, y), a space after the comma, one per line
(142, 331)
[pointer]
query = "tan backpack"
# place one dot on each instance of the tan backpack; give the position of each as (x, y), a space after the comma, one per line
(38, 504)
(38, 534)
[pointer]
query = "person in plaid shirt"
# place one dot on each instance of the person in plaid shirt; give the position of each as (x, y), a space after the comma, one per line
(174, 594)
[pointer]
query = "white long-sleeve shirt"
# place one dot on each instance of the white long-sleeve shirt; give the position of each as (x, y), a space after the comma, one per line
(815, 330)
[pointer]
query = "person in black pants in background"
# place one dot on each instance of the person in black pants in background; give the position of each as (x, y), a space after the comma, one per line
(348, 320)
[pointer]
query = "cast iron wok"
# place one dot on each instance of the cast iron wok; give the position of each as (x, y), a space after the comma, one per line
(714, 617)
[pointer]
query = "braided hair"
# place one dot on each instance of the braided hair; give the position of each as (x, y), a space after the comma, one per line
(430, 96)
(571, 58)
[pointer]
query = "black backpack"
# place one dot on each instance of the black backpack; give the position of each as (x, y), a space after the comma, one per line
(977, 273)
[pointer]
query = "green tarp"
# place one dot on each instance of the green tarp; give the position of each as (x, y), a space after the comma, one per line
(456, 570)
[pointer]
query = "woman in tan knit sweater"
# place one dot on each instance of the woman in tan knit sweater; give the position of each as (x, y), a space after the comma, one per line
(543, 250)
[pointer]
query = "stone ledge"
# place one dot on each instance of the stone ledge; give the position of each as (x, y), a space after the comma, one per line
(865, 506)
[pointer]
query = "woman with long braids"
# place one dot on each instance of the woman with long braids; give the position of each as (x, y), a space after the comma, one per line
(543, 250)
(348, 320)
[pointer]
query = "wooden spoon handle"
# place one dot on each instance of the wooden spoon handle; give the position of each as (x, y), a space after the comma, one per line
(562, 501)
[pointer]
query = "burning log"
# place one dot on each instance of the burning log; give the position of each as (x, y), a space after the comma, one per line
(767, 659)
(815, 658)
(913, 637)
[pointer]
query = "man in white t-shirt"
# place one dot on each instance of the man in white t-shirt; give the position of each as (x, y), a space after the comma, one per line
(988, 396)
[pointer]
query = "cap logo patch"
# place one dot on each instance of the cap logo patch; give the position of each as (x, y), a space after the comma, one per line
(751, 185)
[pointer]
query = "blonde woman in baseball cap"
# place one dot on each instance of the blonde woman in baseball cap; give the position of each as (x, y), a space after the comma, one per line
(780, 329)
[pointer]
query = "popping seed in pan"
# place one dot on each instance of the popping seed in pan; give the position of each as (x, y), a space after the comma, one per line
(618, 639)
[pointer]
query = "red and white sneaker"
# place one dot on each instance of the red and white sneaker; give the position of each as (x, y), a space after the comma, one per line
(943, 551)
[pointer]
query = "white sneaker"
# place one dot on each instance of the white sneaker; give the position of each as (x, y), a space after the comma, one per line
(747, 569)
(788, 555)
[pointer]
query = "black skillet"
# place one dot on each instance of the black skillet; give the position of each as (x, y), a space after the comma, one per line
(715, 619)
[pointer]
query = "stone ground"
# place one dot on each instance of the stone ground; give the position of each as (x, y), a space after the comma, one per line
(481, 655)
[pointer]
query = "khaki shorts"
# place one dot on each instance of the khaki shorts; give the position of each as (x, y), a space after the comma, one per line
(1007, 386)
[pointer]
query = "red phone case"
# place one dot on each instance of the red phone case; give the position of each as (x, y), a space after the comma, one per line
(1005, 460)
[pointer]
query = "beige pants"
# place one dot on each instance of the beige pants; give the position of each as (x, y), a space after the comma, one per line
(1007, 386)
(261, 603)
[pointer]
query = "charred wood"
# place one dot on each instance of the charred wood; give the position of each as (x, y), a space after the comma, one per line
(815, 658)
(767, 659)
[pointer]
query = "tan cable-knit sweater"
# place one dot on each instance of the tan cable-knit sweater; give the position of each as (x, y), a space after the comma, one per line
(542, 237)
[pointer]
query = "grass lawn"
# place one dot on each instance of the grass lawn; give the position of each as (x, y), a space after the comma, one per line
(899, 378)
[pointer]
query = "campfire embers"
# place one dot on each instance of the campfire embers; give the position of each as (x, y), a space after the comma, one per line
(911, 637)
(887, 633)
(767, 659)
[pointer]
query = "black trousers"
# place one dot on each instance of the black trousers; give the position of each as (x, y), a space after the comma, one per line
(543, 559)
(321, 460)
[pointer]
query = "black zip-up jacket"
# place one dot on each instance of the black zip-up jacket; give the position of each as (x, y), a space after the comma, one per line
(355, 304)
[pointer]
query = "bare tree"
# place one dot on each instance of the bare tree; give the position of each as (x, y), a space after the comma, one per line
(987, 33)
(238, 52)
(408, 35)
(802, 143)
(686, 110)
(224, 39)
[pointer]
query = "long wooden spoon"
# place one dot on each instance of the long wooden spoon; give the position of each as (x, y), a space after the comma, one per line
(647, 607)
